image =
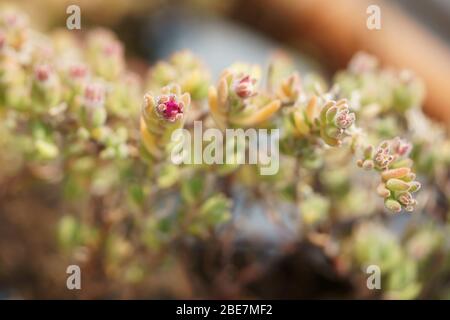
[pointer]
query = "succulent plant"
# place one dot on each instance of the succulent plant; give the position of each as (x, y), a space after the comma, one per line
(71, 122)
(398, 183)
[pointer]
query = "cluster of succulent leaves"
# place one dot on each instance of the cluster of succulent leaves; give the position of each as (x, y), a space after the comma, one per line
(72, 115)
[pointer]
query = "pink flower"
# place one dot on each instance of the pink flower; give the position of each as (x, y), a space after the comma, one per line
(78, 71)
(344, 118)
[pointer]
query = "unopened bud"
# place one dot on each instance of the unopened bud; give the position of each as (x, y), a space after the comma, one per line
(395, 173)
(344, 119)
(94, 95)
(368, 165)
(382, 191)
(414, 186)
(42, 73)
(393, 205)
(78, 71)
(170, 108)
(397, 185)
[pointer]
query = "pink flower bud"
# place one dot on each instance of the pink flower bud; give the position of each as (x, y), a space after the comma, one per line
(94, 95)
(407, 200)
(113, 48)
(245, 87)
(11, 19)
(362, 63)
(43, 73)
(344, 118)
(169, 108)
(78, 71)
(401, 147)
(383, 158)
